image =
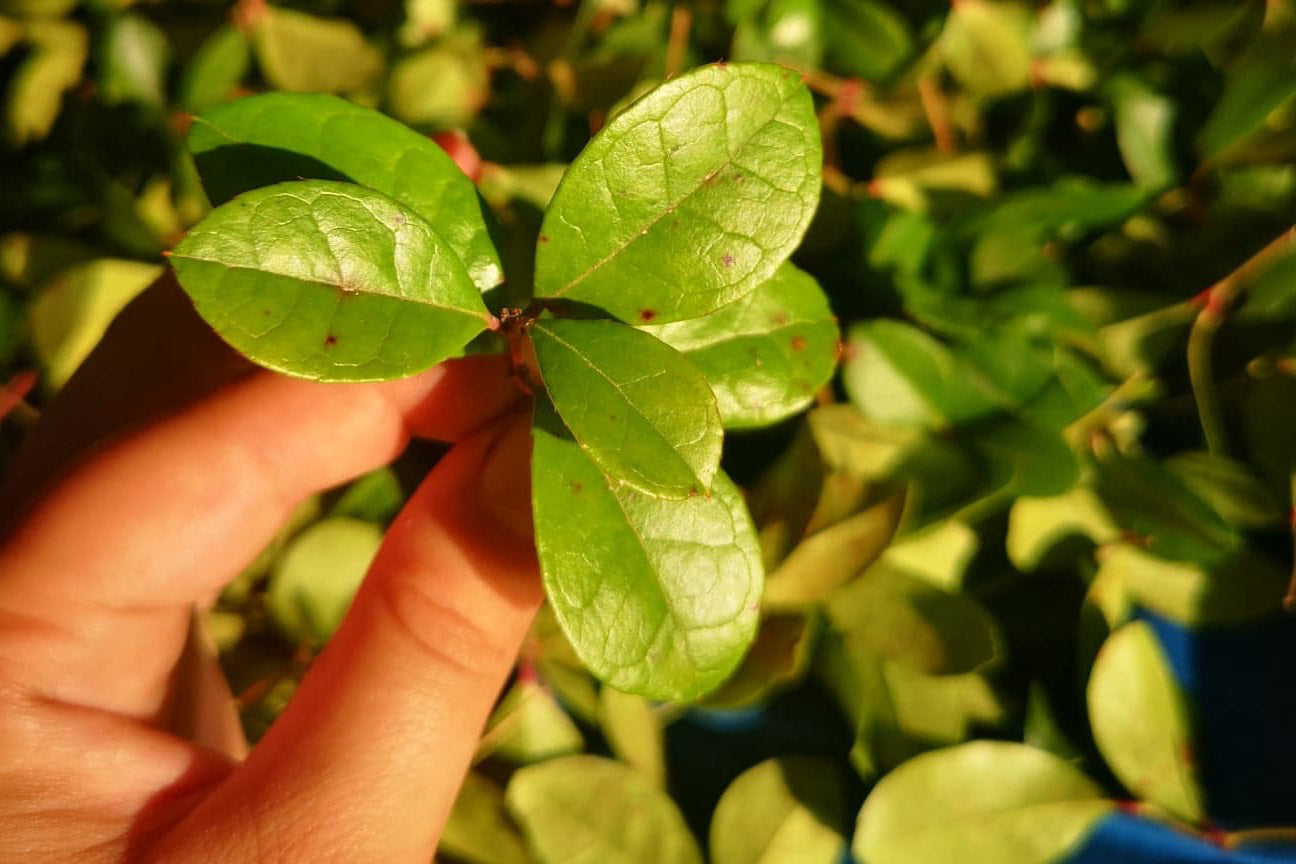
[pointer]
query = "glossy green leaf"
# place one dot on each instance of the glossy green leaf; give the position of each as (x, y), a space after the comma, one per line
(313, 582)
(782, 811)
(765, 355)
(981, 803)
(688, 200)
(304, 53)
(832, 557)
(132, 57)
(329, 281)
(986, 46)
(276, 137)
(633, 729)
(588, 810)
(479, 830)
(1140, 721)
(637, 407)
(865, 38)
(69, 315)
(216, 70)
(658, 597)
(908, 621)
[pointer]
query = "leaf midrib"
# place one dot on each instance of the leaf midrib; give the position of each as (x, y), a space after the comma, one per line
(336, 287)
(646, 230)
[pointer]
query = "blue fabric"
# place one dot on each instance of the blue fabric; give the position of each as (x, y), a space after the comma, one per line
(1241, 685)
(1122, 838)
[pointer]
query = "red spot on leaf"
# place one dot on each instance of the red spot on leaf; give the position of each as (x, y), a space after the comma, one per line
(544, 239)
(330, 339)
(728, 259)
(647, 314)
(798, 343)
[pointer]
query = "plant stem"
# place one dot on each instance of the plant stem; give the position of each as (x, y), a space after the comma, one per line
(1216, 301)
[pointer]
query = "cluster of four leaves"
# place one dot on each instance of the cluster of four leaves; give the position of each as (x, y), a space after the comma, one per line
(671, 313)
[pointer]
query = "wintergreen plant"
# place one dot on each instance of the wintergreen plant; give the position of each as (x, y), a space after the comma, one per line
(664, 311)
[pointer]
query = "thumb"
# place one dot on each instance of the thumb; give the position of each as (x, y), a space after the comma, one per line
(366, 760)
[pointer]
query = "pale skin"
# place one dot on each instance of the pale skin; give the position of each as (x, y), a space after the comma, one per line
(159, 472)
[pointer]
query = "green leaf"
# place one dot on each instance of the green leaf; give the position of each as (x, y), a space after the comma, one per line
(313, 582)
(832, 557)
(866, 39)
(637, 407)
(442, 86)
(34, 97)
(216, 70)
(69, 315)
(1039, 525)
(1144, 131)
(986, 46)
(895, 373)
(986, 802)
(329, 281)
(779, 656)
(910, 622)
(588, 810)
(375, 497)
(1140, 722)
(479, 830)
(276, 137)
(633, 729)
(658, 597)
(132, 56)
(689, 199)
(1261, 81)
(1229, 488)
(529, 726)
(765, 355)
(782, 811)
(304, 53)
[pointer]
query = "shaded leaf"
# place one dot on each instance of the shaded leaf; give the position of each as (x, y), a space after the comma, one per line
(35, 93)
(1262, 80)
(479, 830)
(633, 729)
(986, 46)
(637, 407)
(276, 137)
(658, 597)
(587, 810)
(329, 281)
(782, 811)
(865, 38)
(779, 656)
(312, 584)
(442, 86)
(216, 70)
(688, 200)
(981, 803)
(765, 355)
(70, 313)
(374, 497)
(1140, 721)
(528, 726)
(1145, 122)
(832, 557)
(132, 57)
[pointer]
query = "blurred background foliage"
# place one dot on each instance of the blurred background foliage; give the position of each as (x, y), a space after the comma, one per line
(1046, 501)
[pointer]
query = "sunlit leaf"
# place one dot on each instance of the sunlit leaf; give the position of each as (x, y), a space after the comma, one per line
(693, 196)
(329, 281)
(981, 803)
(638, 408)
(587, 810)
(782, 811)
(1140, 721)
(304, 53)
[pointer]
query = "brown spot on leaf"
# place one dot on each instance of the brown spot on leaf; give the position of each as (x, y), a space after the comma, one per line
(778, 319)
(576, 487)
(710, 179)
(798, 343)
(330, 339)
(693, 492)
(738, 177)
(544, 239)
(646, 315)
(727, 259)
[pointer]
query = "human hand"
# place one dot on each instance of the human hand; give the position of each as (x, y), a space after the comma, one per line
(162, 469)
